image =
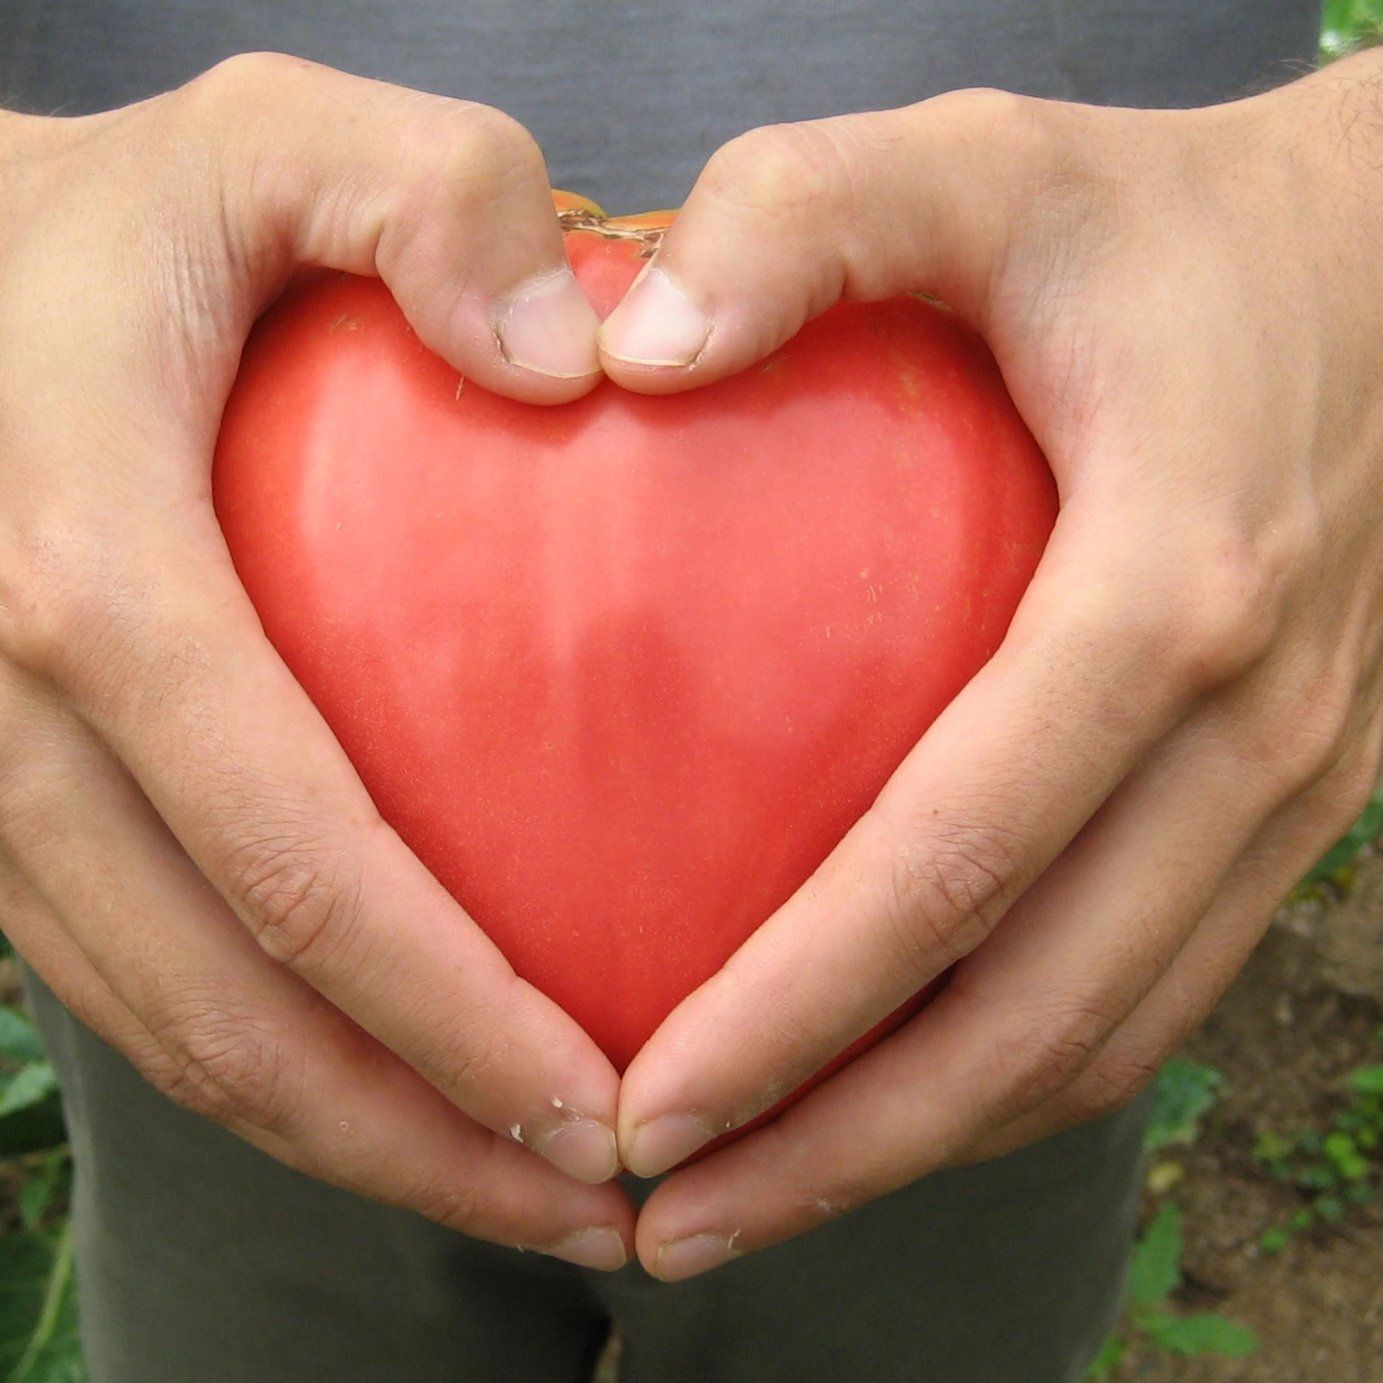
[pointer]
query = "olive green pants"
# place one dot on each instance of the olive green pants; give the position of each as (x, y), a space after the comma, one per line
(201, 1260)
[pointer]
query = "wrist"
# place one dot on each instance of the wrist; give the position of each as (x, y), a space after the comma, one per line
(1330, 127)
(1303, 164)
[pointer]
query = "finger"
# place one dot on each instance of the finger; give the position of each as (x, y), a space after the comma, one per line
(1199, 976)
(242, 769)
(146, 625)
(1021, 1022)
(129, 937)
(448, 201)
(995, 790)
(1016, 1019)
(788, 219)
(267, 162)
(36, 935)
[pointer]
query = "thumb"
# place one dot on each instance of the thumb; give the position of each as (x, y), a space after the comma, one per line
(448, 201)
(787, 220)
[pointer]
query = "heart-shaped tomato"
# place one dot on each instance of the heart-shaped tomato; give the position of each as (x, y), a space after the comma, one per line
(623, 671)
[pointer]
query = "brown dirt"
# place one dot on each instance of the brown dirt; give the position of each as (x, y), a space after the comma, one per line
(1304, 1013)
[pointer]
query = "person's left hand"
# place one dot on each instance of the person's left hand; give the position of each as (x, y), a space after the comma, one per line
(1188, 708)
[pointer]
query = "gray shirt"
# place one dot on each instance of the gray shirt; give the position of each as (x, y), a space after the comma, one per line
(629, 99)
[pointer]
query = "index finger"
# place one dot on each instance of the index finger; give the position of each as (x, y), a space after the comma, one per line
(996, 788)
(168, 664)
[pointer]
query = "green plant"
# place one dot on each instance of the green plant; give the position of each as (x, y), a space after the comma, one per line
(38, 1306)
(1348, 25)
(1154, 1275)
(1333, 1169)
(1182, 1094)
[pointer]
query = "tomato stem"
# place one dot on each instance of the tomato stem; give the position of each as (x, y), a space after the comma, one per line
(580, 219)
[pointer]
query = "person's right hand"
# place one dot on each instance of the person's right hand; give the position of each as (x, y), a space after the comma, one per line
(187, 858)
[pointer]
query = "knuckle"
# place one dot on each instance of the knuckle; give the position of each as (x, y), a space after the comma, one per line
(1357, 783)
(778, 168)
(477, 148)
(1345, 790)
(1220, 620)
(42, 604)
(302, 902)
(72, 612)
(498, 134)
(1111, 1084)
(1302, 737)
(458, 1207)
(988, 111)
(948, 886)
(223, 1065)
(1056, 1047)
(463, 1061)
(1036, 141)
(250, 75)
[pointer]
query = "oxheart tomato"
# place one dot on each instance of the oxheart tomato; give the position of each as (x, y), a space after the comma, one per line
(623, 671)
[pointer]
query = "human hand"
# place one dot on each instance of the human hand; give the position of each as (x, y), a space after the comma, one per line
(1188, 708)
(186, 856)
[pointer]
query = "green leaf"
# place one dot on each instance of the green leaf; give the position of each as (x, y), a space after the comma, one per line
(1331, 1208)
(1340, 1149)
(35, 1129)
(45, 1187)
(1109, 1358)
(19, 1041)
(1156, 1266)
(1319, 1176)
(1182, 1093)
(1271, 1147)
(1355, 1167)
(39, 1340)
(1367, 1080)
(1201, 1334)
(30, 1085)
(1274, 1240)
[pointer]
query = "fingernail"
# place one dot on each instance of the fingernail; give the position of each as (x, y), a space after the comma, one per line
(656, 324)
(584, 1149)
(591, 1248)
(549, 327)
(664, 1142)
(697, 1254)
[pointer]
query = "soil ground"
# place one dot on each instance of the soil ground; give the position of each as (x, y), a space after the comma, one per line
(1304, 1013)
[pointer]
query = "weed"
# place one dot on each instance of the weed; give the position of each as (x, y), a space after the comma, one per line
(1334, 1169)
(1154, 1274)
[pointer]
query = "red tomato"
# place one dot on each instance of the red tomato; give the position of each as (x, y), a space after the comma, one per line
(623, 671)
